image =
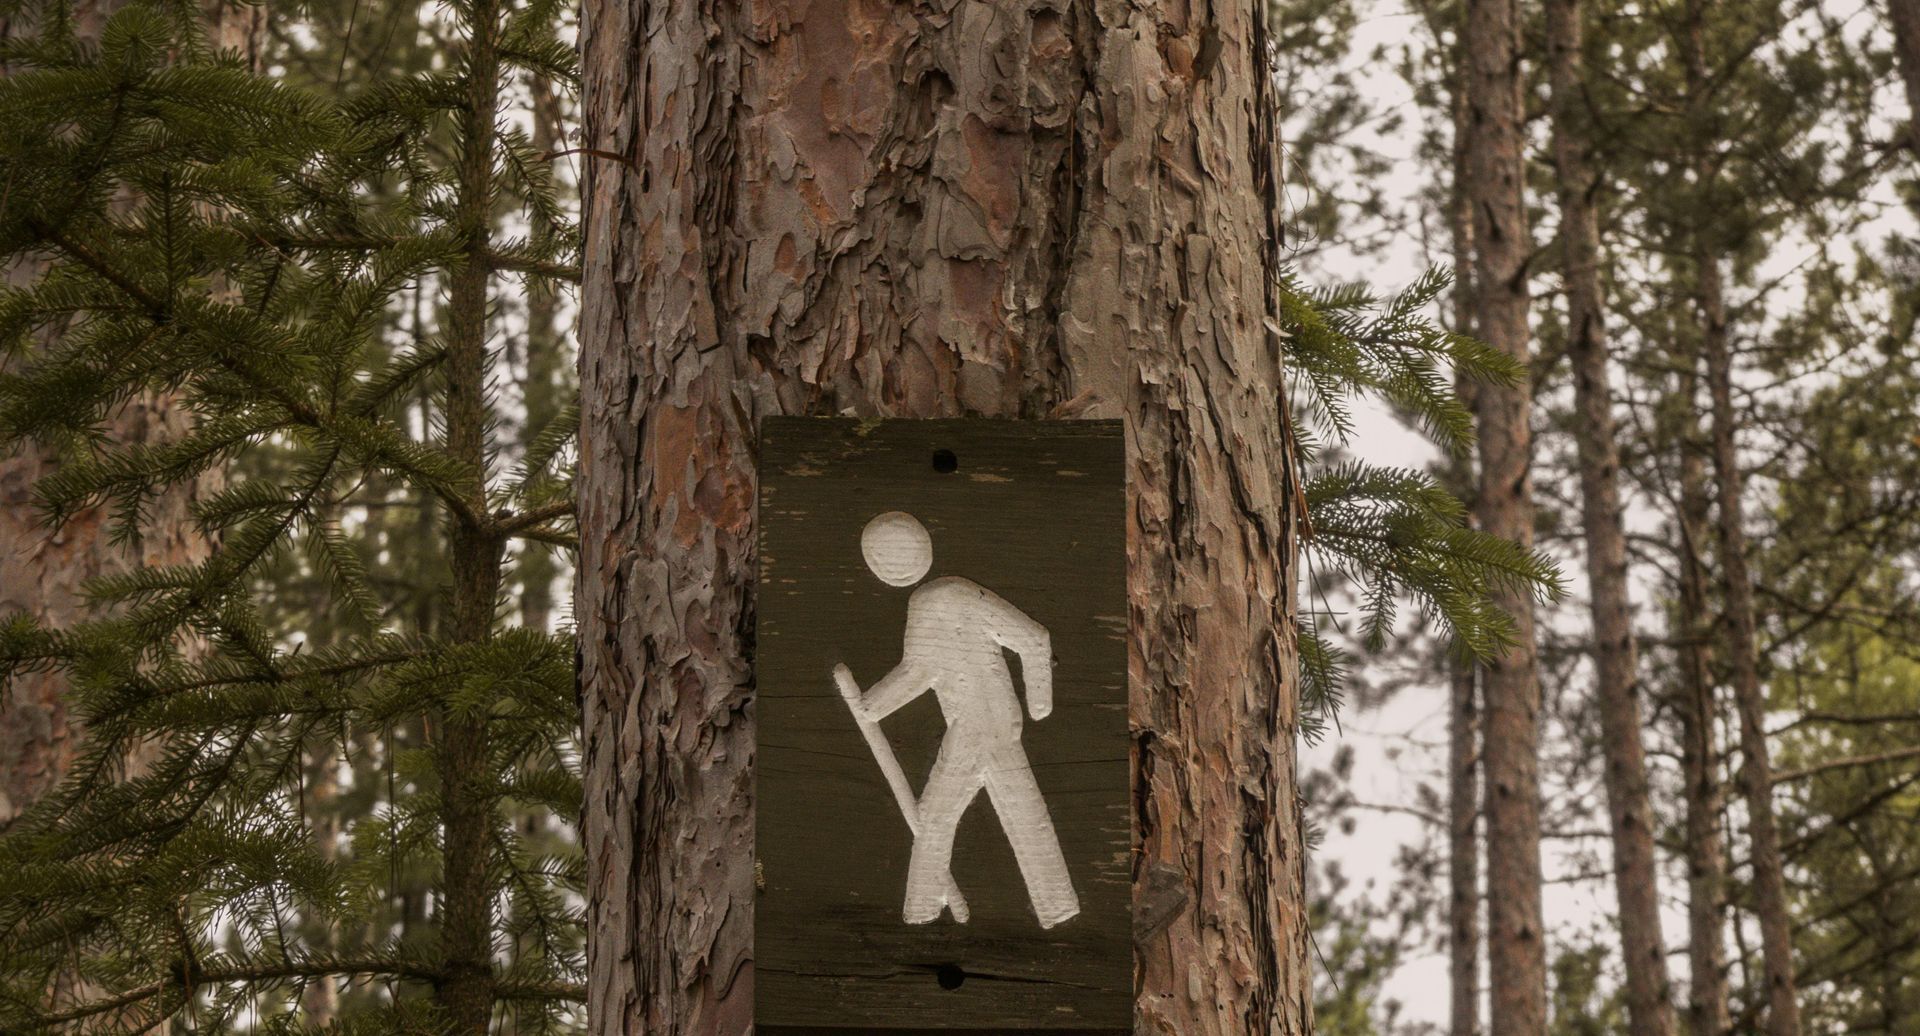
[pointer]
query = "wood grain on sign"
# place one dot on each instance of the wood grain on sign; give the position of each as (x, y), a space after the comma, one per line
(1033, 513)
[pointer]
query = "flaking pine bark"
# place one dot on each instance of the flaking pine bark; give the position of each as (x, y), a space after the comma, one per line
(1616, 664)
(1504, 507)
(1009, 209)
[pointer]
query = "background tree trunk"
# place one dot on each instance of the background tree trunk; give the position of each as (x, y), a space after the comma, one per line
(1463, 857)
(1463, 724)
(1002, 208)
(1616, 665)
(548, 387)
(1510, 754)
(1699, 756)
(42, 571)
(1756, 771)
(1905, 15)
(1756, 777)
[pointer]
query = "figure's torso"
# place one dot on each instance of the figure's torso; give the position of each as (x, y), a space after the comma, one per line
(949, 624)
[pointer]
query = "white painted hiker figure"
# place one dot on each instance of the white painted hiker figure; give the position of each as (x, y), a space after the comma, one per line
(956, 629)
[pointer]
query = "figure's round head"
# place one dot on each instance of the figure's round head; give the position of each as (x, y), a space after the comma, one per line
(897, 548)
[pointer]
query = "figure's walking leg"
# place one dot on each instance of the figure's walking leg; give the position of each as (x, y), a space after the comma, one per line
(1023, 814)
(949, 789)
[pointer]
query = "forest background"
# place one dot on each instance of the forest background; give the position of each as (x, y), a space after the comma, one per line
(1755, 187)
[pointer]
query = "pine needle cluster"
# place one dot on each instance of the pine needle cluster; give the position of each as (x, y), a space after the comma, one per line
(238, 245)
(1393, 534)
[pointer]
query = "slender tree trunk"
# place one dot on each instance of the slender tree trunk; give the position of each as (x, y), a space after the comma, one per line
(321, 814)
(320, 997)
(238, 27)
(1463, 725)
(549, 381)
(1515, 939)
(1756, 776)
(1463, 859)
(1616, 664)
(547, 390)
(461, 751)
(1742, 950)
(1000, 209)
(1905, 16)
(1699, 756)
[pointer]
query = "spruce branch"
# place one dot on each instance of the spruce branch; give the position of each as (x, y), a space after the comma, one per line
(191, 979)
(1394, 534)
(510, 524)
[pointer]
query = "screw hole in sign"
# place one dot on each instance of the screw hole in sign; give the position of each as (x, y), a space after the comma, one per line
(945, 462)
(949, 976)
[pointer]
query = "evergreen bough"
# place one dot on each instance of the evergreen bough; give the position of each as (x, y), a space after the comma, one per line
(1393, 534)
(240, 245)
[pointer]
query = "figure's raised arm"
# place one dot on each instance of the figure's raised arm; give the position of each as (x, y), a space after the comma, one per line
(906, 682)
(1016, 631)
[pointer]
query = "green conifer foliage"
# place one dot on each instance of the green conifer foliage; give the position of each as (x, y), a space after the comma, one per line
(1394, 535)
(1839, 582)
(247, 242)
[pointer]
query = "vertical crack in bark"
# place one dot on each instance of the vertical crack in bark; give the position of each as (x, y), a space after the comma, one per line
(1071, 173)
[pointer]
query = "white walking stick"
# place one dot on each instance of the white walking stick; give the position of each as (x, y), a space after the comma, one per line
(896, 779)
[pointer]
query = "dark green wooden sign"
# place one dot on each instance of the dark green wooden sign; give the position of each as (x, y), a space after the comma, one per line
(942, 828)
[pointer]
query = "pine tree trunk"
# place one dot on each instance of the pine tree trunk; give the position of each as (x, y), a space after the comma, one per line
(1616, 665)
(1905, 15)
(462, 755)
(320, 997)
(1510, 753)
(1699, 756)
(42, 571)
(1463, 724)
(1756, 777)
(546, 392)
(1463, 858)
(548, 387)
(1000, 209)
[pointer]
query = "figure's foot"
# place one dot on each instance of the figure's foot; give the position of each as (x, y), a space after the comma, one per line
(919, 912)
(1055, 913)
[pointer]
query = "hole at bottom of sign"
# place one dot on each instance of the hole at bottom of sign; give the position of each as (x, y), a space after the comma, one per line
(949, 976)
(945, 462)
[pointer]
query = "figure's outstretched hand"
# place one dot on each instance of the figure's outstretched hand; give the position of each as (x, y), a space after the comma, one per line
(1039, 691)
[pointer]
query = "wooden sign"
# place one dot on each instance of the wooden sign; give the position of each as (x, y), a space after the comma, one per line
(943, 816)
